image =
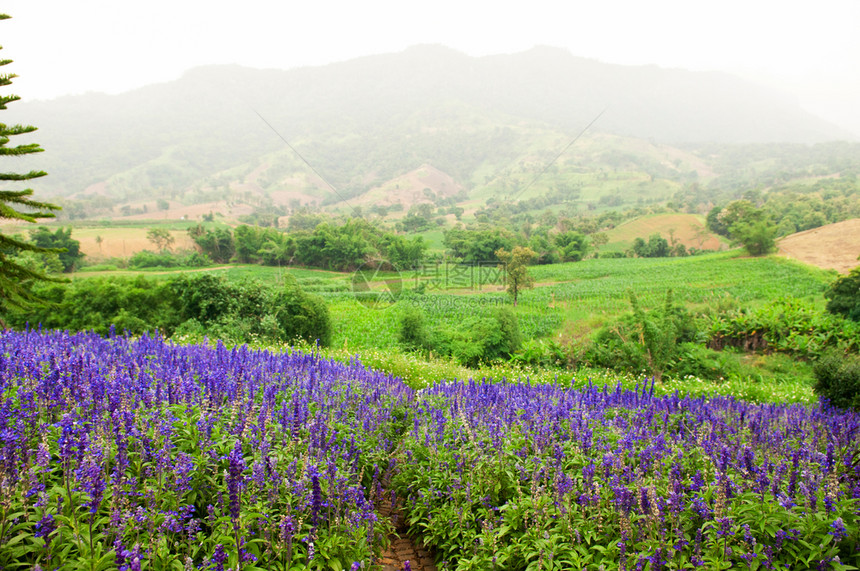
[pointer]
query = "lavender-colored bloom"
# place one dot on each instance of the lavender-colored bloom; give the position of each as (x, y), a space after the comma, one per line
(219, 557)
(92, 479)
(127, 560)
(725, 529)
(316, 500)
(44, 528)
(234, 479)
(657, 561)
(838, 530)
(316, 427)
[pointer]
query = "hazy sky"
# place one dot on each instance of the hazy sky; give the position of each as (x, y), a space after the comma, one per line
(60, 47)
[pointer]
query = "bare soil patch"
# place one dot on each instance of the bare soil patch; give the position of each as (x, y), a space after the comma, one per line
(122, 242)
(835, 246)
(409, 188)
(686, 229)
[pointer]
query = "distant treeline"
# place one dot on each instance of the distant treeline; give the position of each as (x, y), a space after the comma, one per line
(345, 244)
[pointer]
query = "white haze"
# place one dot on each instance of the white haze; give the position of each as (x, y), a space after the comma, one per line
(809, 50)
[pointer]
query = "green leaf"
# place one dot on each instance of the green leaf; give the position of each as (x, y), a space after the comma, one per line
(107, 561)
(15, 540)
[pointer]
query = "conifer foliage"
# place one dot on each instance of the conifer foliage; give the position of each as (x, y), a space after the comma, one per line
(17, 205)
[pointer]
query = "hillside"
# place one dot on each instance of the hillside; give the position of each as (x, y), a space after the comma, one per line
(686, 229)
(835, 246)
(489, 125)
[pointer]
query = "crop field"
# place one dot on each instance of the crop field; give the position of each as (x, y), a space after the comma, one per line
(142, 454)
(122, 242)
(363, 326)
(588, 290)
(602, 285)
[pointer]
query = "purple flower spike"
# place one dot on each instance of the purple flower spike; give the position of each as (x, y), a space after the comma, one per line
(219, 557)
(234, 479)
(837, 529)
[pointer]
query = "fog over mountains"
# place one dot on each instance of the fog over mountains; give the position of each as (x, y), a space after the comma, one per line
(368, 120)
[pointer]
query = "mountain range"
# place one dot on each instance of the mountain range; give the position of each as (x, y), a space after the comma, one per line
(343, 130)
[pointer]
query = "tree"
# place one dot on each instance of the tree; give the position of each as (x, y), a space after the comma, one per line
(573, 246)
(60, 241)
(477, 245)
(278, 249)
(599, 239)
(404, 253)
(17, 205)
(757, 237)
(721, 220)
(160, 238)
(217, 244)
(655, 247)
(515, 264)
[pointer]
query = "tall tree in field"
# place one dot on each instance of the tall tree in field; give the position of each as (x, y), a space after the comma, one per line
(17, 205)
(161, 238)
(515, 264)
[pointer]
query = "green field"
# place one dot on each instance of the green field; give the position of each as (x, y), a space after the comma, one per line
(601, 285)
(566, 295)
(570, 302)
(597, 288)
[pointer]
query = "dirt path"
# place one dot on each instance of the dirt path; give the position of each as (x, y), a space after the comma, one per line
(402, 548)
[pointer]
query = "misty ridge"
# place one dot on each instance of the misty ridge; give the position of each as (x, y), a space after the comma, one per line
(366, 121)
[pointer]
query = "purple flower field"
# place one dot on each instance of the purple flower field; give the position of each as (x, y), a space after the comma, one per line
(141, 454)
(145, 455)
(512, 476)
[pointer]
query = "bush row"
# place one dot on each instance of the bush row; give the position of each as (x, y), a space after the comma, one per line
(196, 304)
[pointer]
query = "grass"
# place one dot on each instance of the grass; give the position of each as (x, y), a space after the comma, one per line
(419, 372)
(576, 299)
(600, 287)
(266, 274)
(581, 297)
(434, 239)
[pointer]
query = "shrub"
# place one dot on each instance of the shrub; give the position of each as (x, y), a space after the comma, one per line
(844, 296)
(698, 361)
(837, 379)
(487, 338)
(757, 237)
(612, 255)
(147, 259)
(541, 353)
(643, 340)
(412, 334)
(136, 304)
(204, 297)
(165, 259)
(788, 325)
(198, 305)
(301, 315)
